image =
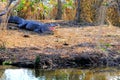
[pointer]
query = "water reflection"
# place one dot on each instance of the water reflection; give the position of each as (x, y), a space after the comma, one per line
(61, 74)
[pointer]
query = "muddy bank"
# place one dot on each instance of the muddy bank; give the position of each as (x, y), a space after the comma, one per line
(57, 60)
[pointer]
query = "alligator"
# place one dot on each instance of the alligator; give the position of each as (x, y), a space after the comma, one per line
(31, 25)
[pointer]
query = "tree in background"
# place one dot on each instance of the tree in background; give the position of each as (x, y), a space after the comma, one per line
(59, 10)
(118, 2)
(78, 11)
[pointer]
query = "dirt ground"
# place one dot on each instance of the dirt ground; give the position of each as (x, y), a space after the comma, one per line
(65, 41)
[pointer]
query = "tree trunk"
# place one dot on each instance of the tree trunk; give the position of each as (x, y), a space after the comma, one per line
(59, 10)
(4, 15)
(8, 8)
(78, 11)
(118, 2)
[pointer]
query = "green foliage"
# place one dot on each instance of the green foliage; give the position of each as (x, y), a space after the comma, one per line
(69, 4)
(37, 60)
(105, 4)
(35, 1)
(7, 63)
(32, 8)
(3, 0)
(107, 45)
(21, 5)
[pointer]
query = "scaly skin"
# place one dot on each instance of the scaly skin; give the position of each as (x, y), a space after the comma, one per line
(31, 25)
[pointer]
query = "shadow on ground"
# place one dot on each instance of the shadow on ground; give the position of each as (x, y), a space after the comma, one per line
(50, 58)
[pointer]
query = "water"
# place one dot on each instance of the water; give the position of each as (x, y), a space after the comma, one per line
(12, 73)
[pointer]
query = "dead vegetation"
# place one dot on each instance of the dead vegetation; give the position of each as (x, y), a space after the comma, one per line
(65, 43)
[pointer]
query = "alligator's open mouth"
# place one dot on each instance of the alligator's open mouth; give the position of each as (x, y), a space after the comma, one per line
(52, 28)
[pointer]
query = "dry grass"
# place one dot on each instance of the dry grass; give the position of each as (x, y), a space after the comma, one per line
(65, 37)
(3, 40)
(65, 41)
